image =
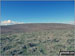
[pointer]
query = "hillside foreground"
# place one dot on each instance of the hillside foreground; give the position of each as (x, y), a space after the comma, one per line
(36, 39)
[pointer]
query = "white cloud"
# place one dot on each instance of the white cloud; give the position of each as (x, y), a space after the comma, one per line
(10, 22)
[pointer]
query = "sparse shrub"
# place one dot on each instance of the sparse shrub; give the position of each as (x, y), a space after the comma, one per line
(7, 48)
(14, 52)
(32, 44)
(70, 41)
(14, 36)
(24, 47)
(21, 52)
(71, 48)
(55, 40)
(19, 42)
(70, 35)
(42, 51)
(59, 46)
(34, 49)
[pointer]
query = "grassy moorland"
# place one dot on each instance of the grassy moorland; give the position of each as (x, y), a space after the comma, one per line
(36, 39)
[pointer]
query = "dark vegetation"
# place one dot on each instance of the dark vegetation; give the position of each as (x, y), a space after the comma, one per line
(36, 39)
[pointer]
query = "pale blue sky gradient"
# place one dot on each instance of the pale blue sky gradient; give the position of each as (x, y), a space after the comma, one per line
(37, 12)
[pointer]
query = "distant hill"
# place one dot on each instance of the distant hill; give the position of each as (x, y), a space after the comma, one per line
(34, 27)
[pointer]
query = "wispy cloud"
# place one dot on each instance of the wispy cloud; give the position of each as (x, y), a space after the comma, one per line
(69, 22)
(10, 22)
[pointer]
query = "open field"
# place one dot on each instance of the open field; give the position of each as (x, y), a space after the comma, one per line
(37, 39)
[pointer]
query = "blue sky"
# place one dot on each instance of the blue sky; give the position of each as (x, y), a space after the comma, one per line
(37, 12)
